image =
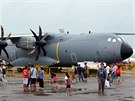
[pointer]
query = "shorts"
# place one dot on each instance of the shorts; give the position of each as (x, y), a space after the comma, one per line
(33, 80)
(68, 86)
(25, 81)
(118, 75)
(54, 81)
(55, 85)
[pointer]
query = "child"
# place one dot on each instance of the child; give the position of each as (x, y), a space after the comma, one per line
(2, 78)
(68, 85)
(52, 74)
(55, 83)
(66, 78)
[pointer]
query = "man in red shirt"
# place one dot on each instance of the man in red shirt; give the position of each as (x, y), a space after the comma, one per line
(25, 79)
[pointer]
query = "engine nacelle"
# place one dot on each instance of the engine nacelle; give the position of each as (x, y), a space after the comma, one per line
(26, 43)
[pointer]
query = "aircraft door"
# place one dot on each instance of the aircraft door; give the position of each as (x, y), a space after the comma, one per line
(13, 55)
(73, 57)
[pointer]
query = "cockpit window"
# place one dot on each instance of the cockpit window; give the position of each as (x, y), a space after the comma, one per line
(114, 40)
(109, 39)
(119, 39)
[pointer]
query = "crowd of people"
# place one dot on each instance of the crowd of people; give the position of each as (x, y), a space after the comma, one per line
(105, 76)
(31, 77)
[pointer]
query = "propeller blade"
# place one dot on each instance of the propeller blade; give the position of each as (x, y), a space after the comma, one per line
(39, 50)
(38, 54)
(6, 52)
(7, 37)
(44, 51)
(44, 37)
(2, 33)
(36, 37)
(40, 33)
(32, 51)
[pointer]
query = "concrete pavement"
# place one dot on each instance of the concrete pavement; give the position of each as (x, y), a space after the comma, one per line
(85, 91)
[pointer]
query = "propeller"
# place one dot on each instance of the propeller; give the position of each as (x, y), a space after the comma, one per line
(40, 43)
(3, 43)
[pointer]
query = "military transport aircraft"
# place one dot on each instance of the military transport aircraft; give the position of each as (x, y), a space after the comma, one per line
(62, 48)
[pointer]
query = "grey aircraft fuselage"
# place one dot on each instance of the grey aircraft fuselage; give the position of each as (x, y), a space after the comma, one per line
(68, 49)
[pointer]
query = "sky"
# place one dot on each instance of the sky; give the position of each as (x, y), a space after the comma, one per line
(78, 16)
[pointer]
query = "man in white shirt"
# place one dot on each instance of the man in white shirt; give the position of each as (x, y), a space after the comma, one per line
(33, 78)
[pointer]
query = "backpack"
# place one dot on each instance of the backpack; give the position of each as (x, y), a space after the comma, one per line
(102, 73)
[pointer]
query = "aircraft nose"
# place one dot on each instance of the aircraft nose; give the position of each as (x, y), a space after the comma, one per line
(126, 51)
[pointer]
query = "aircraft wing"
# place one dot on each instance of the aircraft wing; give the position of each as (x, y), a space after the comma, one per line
(20, 35)
(17, 36)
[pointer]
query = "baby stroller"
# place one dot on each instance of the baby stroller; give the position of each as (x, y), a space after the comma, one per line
(108, 80)
(2, 80)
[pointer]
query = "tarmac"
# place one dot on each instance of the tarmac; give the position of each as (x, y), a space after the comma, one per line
(82, 91)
